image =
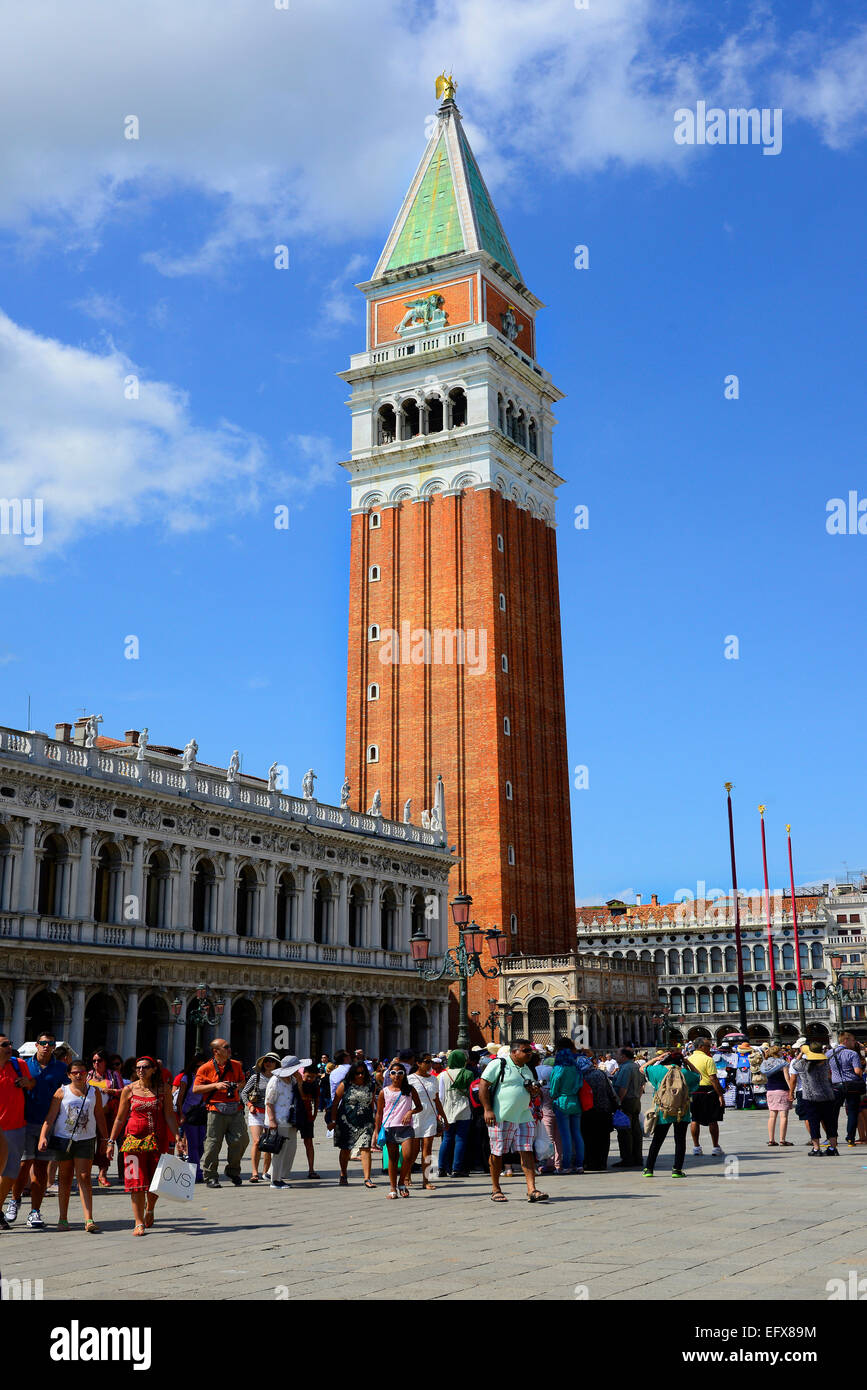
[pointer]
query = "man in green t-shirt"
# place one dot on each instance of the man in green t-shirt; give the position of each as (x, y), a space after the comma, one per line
(506, 1087)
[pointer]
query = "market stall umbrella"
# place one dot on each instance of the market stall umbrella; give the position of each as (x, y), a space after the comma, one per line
(735, 1037)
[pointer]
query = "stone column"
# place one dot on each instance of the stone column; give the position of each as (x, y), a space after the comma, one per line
(402, 1010)
(137, 888)
(84, 897)
(342, 937)
(19, 1015)
(224, 1027)
(404, 920)
(227, 923)
(267, 1034)
(179, 1034)
(305, 932)
(303, 1043)
(76, 1027)
(269, 907)
(130, 1025)
(183, 917)
(27, 896)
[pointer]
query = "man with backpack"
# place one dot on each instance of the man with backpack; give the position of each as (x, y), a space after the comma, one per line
(674, 1080)
(506, 1088)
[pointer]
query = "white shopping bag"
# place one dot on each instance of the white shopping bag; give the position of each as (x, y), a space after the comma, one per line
(174, 1179)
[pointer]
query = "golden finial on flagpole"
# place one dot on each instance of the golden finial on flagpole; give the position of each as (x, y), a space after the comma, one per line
(761, 810)
(728, 786)
(788, 828)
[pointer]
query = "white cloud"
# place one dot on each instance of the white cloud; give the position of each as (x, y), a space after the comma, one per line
(69, 436)
(102, 307)
(304, 122)
(317, 458)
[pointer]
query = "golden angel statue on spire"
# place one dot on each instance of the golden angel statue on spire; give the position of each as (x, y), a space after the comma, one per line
(446, 86)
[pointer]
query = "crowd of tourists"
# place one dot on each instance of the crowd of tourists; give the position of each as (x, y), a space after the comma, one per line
(500, 1109)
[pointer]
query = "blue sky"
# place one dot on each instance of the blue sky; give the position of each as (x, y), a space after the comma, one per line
(707, 516)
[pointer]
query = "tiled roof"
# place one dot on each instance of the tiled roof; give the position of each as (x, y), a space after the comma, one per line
(589, 917)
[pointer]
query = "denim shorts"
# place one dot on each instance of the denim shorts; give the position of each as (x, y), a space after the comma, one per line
(398, 1134)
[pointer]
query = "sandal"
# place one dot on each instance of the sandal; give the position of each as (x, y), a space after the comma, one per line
(786, 1144)
(429, 1186)
(138, 1229)
(343, 1182)
(63, 1224)
(318, 1176)
(92, 1228)
(499, 1197)
(392, 1195)
(403, 1190)
(537, 1196)
(368, 1182)
(772, 1144)
(103, 1180)
(254, 1179)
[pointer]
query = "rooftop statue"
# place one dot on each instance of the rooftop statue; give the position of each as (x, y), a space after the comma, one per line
(446, 86)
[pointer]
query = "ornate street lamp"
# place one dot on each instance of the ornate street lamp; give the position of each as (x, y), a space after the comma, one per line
(204, 1011)
(461, 961)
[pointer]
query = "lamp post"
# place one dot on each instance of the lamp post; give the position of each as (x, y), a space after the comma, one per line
(204, 1012)
(463, 960)
(844, 989)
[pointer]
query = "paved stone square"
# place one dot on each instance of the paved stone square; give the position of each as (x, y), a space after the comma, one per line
(780, 1226)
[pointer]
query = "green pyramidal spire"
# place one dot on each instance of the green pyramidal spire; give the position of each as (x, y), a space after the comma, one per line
(448, 208)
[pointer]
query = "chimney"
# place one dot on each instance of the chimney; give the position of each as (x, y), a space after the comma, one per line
(638, 900)
(131, 737)
(654, 900)
(63, 733)
(80, 731)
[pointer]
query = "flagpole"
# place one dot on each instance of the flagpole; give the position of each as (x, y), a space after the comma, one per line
(775, 1012)
(802, 1017)
(742, 1005)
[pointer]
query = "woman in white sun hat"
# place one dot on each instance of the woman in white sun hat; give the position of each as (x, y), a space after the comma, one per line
(284, 1108)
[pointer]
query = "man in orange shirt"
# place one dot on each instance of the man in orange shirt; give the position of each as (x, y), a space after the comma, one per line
(219, 1083)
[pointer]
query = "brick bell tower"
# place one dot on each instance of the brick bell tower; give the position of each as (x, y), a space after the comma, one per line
(455, 661)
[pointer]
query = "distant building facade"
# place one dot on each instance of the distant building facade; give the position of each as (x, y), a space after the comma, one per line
(692, 947)
(598, 1001)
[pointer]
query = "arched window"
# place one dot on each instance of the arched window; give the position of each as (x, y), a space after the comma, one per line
(507, 728)
(373, 574)
(373, 752)
(715, 960)
(373, 691)
(704, 1001)
(759, 961)
(816, 960)
(748, 998)
(731, 959)
(513, 923)
(688, 962)
(108, 885)
(434, 412)
(284, 916)
(502, 603)
(533, 437)
(204, 896)
(508, 791)
(719, 1000)
(746, 958)
(732, 999)
(501, 417)
(510, 420)
(791, 994)
(521, 429)
(674, 963)
(511, 854)
(701, 961)
(373, 632)
(418, 912)
(374, 521)
(246, 891)
(388, 921)
(501, 545)
(539, 1020)
(689, 1002)
(409, 419)
(356, 915)
(322, 906)
(54, 878)
(457, 407)
(158, 890)
(762, 998)
(659, 961)
(676, 1001)
(386, 425)
(504, 662)
(788, 956)
(646, 956)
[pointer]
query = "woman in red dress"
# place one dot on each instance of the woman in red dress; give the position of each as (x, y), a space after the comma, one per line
(147, 1119)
